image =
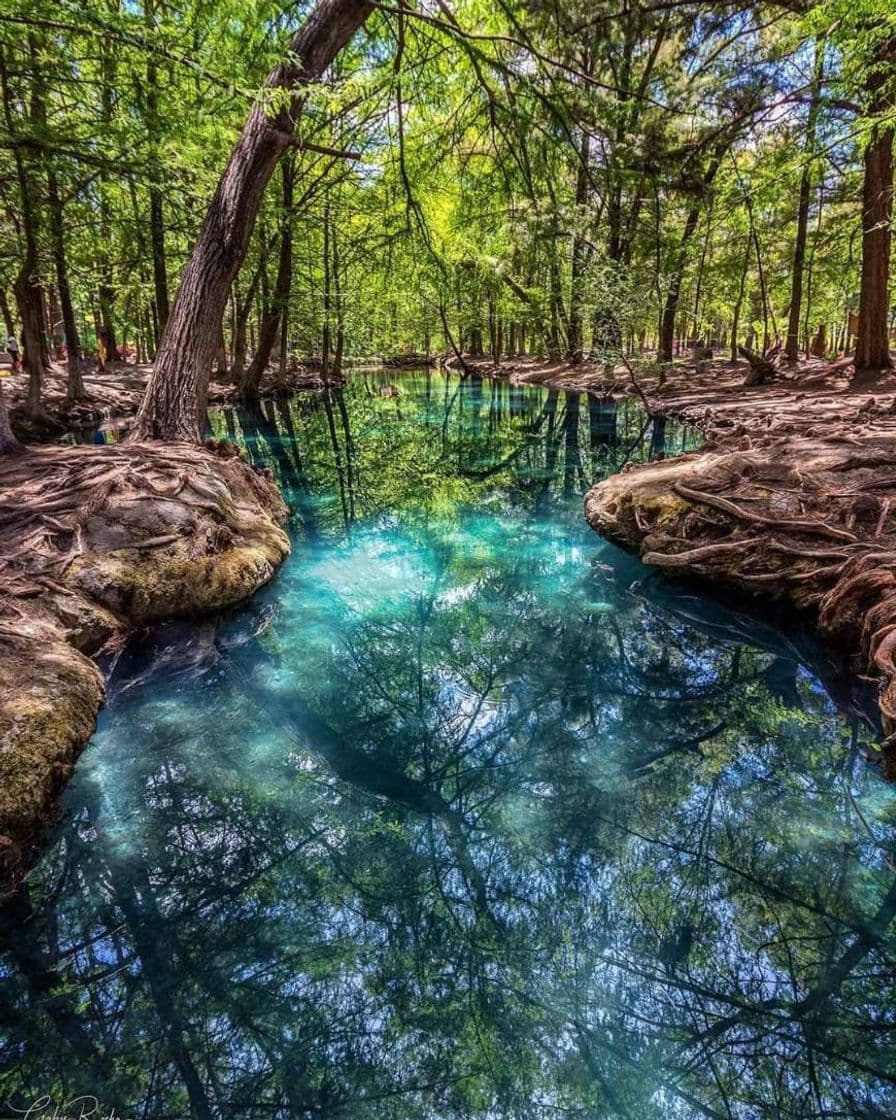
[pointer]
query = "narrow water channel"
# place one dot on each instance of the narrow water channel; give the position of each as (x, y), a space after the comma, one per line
(466, 815)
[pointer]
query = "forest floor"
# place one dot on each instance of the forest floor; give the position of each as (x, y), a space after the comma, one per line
(96, 541)
(792, 496)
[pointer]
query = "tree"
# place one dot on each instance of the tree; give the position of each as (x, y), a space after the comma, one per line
(792, 346)
(277, 310)
(873, 341)
(175, 400)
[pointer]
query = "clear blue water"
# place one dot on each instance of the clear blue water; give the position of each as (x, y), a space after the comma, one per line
(466, 815)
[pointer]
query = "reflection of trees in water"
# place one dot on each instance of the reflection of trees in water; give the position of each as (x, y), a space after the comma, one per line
(529, 866)
(493, 851)
(377, 454)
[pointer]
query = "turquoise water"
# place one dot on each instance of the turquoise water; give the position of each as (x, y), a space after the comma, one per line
(466, 815)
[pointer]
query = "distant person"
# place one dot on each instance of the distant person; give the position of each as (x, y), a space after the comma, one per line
(12, 348)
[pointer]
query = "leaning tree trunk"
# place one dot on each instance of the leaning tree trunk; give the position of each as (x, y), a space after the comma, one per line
(872, 345)
(175, 400)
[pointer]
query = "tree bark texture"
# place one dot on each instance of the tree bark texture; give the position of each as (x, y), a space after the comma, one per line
(873, 344)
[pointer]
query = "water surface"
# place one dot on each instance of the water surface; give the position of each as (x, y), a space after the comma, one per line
(466, 815)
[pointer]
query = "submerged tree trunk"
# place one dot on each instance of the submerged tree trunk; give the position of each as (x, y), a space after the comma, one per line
(175, 400)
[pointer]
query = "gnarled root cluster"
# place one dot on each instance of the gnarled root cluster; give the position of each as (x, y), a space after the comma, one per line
(802, 517)
(93, 542)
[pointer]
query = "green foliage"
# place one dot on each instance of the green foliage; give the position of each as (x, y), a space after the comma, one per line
(519, 166)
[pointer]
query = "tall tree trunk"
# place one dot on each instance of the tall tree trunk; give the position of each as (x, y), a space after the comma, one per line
(339, 347)
(735, 322)
(701, 269)
(106, 334)
(156, 205)
(493, 341)
(673, 293)
(576, 340)
(221, 357)
(159, 266)
(792, 348)
(284, 348)
(175, 401)
(559, 319)
(873, 344)
(27, 287)
(53, 319)
(325, 337)
(242, 310)
(75, 386)
(282, 287)
(670, 305)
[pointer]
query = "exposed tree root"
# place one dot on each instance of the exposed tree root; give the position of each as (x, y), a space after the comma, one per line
(95, 541)
(114, 395)
(780, 468)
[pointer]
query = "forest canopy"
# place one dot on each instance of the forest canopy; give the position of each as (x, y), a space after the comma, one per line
(565, 177)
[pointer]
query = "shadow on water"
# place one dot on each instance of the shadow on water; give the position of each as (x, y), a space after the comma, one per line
(467, 815)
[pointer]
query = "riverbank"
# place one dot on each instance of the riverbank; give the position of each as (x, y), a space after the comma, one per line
(112, 396)
(96, 542)
(791, 497)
